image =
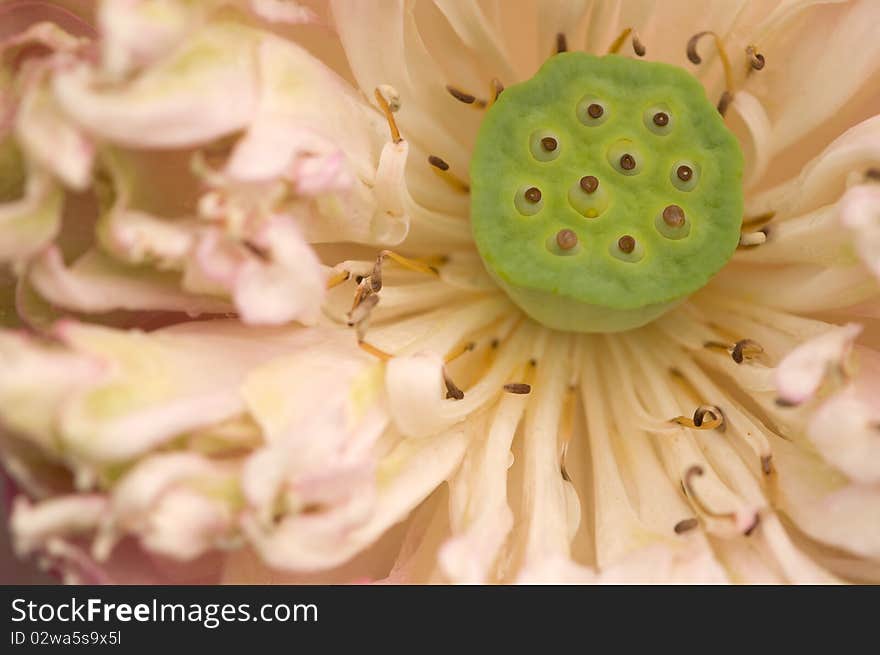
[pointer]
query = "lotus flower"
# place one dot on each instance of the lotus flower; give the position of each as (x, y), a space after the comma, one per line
(249, 336)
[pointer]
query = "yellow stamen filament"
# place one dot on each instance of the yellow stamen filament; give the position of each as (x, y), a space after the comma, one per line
(495, 89)
(637, 45)
(466, 98)
(729, 89)
(376, 352)
(417, 265)
(457, 352)
(441, 168)
(706, 417)
(337, 278)
(758, 221)
(389, 116)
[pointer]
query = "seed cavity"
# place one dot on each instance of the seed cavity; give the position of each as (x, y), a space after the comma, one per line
(627, 248)
(528, 200)
(591, 111)
(544, 145)
(672, 223)
(661, 119)
(588, 197)
(685, 175)
(673, 216)
(625, 157)
(658, 119)
(566, 239)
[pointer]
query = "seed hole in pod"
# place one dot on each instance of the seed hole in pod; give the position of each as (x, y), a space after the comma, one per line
(672, 222)
(528, 200)
(627, 248)
(685, 175)
(625, 157)
(564, 242)
(592, 111)
(544, 145)
(658, 119)
(588, 196)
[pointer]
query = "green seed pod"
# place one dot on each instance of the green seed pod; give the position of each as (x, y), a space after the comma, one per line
(604, 190)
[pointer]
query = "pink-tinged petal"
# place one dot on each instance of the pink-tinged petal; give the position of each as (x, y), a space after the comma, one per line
(157, 386)
(134, 33)
(406, 476)
(289, 12)
(32, 525)
(96, 283)
(859, 211)
(35, 379)
(205, 89)
(49, 138)
(179, 505)
(854, 513)
(801, 373)
(278, 280)
(846, 427)
(31, 222)
(17, 18)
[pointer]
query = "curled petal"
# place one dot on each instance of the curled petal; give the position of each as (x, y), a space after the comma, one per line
(860, 212)
(800, 374)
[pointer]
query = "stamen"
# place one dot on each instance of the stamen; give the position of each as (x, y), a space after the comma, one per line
(518, 388)
(697, 470)
(408, 263)
(756, 59)
(873, 174)
(566, 428)
(466, 98)
(388, 107)
(338, 278)
(461, 350)
(258, 251)
(685, 525)
(566, 239)
(561, 43)
(745, 349)
(452, 391)
(495, 89)
(692, 55)
(637, 45)
(748, 239)
(441, 168)
(706, 417)
(767, 464)
(381, 354)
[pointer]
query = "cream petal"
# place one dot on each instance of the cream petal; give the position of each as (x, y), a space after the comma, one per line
(288, 12)
(28, 224)
(32, 525)
(854, 513)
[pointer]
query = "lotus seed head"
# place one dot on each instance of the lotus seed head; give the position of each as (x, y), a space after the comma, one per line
(604, 191)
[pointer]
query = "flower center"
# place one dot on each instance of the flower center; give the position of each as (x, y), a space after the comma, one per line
(604, 190)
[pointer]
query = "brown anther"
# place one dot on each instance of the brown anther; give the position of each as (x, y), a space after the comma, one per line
(745, 349)
(497, 87)
(685, 525)
(767, 464)
(589, 183)
(756, 59)
(452, 391)
(518, 388)
(466, 98)
(684, 173)
(673, 216)
(561, 43)
(692, 54)
(494, 343)
(626, 243)
(704, 412)
(638, 46)
(749, 530)
(549, 144)
(661, 119)
(873, 174)
(258, 251)
(438, 163)
(724, 102)
(595, 110)
(566, 239)
(627, 162)
(533, 194)
(687, 485)
(785, 402)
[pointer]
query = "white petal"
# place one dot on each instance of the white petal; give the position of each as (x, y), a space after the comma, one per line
(800, 374)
